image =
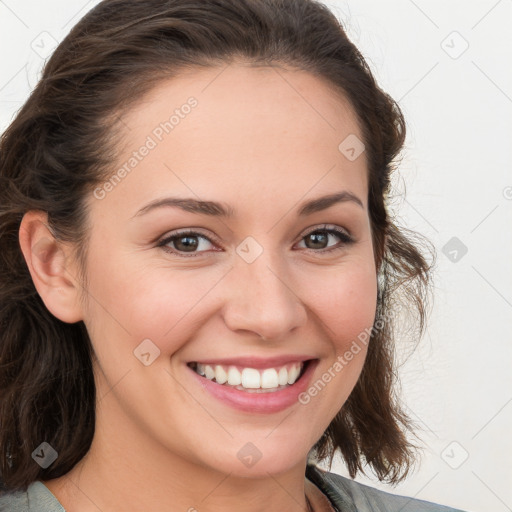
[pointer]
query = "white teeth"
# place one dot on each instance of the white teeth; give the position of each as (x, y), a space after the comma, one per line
(220, 375)
(209, 372)
(269, 379)
(251, 379)
(234, 376)
(293, 374)
(283, 376)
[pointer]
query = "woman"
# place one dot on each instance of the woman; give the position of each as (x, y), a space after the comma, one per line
(199, 275)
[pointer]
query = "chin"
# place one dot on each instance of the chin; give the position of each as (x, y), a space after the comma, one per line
(257, 459)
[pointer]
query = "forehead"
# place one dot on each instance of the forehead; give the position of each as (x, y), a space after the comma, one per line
(251, 131)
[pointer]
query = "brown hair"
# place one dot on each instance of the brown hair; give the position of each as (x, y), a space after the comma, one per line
(60, 146)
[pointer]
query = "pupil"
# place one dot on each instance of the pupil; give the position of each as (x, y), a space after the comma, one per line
(189, 245)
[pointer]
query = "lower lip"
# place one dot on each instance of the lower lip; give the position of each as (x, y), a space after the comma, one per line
(261, 403)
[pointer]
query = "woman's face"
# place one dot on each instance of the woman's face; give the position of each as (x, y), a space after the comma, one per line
(262, 286)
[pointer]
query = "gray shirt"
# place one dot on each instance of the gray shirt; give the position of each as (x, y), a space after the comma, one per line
(345, 495)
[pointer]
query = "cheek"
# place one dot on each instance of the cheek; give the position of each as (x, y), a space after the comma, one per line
(133, 300)
(346, 304)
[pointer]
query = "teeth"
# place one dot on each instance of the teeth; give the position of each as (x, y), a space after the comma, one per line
(293, 374)
(251, 379)
(269, 379)
(220, 375)
(209, 372)
(234, 376)
(283, 377)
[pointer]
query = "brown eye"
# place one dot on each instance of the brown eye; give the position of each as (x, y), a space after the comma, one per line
(186, 242)
(319, 239)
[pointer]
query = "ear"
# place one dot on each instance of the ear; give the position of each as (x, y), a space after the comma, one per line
(49, 263)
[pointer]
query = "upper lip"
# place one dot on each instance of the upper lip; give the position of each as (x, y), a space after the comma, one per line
(256, 362)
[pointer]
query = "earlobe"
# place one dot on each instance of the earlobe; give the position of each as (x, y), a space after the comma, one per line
(48, 261)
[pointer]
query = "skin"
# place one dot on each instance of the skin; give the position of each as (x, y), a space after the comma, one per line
(262, 140)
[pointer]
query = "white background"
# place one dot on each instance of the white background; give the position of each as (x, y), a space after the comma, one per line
(456, 172)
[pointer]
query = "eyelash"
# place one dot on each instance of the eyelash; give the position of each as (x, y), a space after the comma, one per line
(345, 238)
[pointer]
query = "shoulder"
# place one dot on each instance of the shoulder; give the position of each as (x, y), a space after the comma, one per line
(37, 498)
(349, 495)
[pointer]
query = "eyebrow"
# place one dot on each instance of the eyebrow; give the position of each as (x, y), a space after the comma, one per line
(217, 209)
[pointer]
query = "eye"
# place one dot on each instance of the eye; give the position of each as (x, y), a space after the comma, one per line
(320, 238)
(191, 243)
(186, 242)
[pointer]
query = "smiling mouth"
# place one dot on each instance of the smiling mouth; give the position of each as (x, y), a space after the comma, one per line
(252, 380)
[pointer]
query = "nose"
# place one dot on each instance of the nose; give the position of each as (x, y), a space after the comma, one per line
(261, 300)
